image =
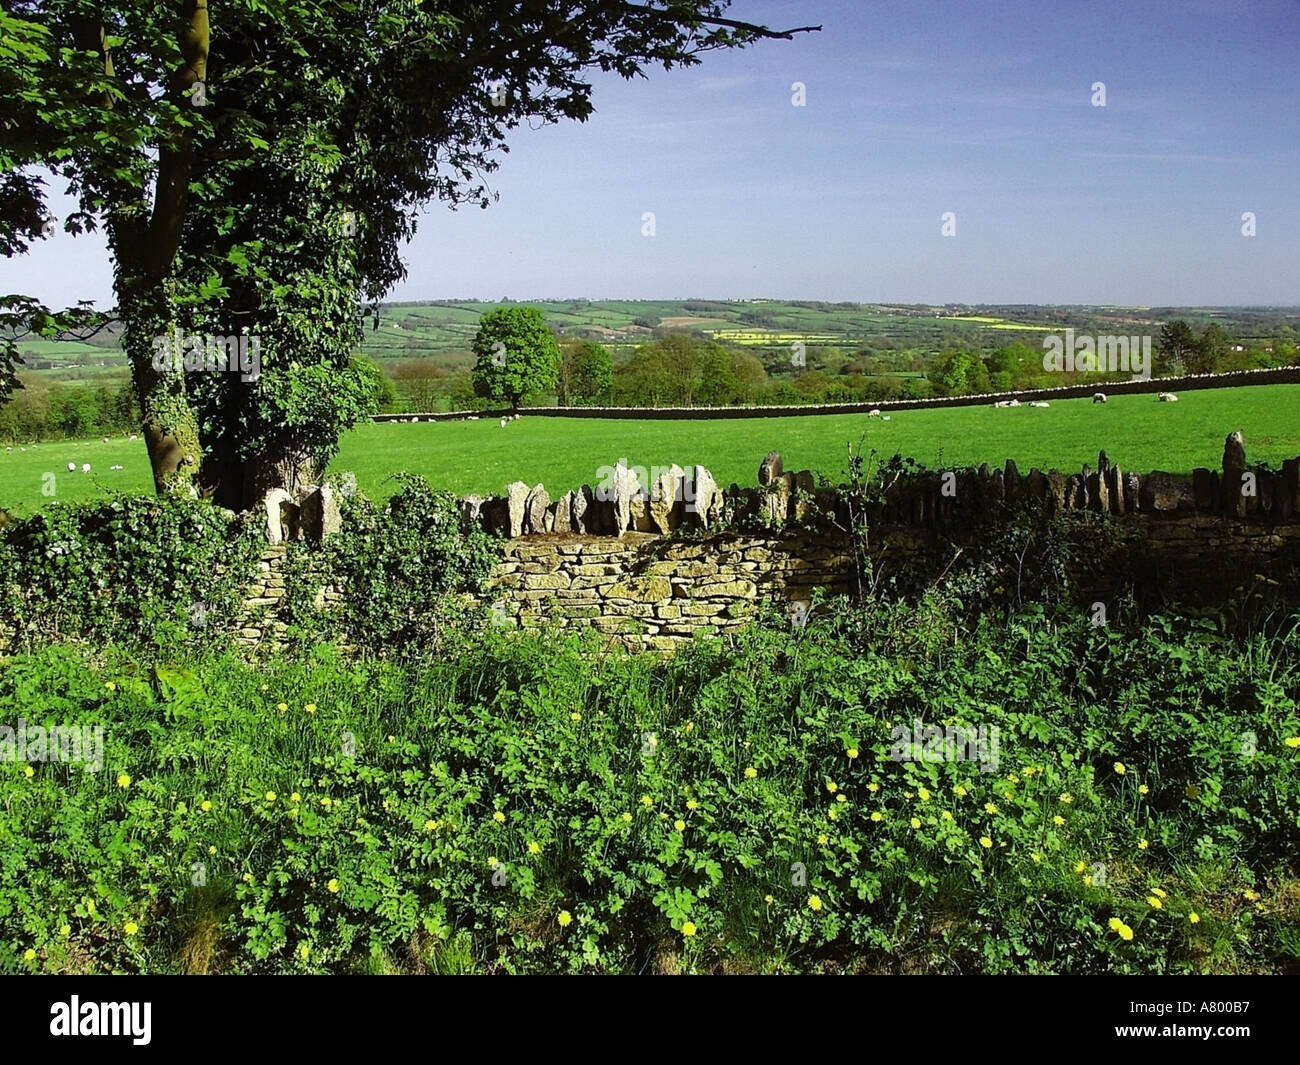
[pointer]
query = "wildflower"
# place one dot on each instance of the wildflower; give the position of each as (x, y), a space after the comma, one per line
(1154, 903)
(750, 772)
(1292, 741)
(65, 929)
(295, 797)
(877, 816)
(282, 707)
(1143, 790)
(1193, 792)
(205, 806)
(1161, 894)
(131, 928)
(1143, 844)
(270, 796)
(689, 726)
(815, 902)
(768, 899)
(1120, 770)
(688, 929)
(627, 817)
(647, 802)
(985, 842)
(90, 907)
(29, 955)
(1038, 858)
(692, 805)
(265, 687)
(873, 787)
(493, 862)
(565, 919)
(123, 781)
(430, 825)
(990, 808)
(907, 795)
(1194, 917)
(1251, 895)
(831, 786)
(1058, 820)
(853, 751)
(833, 814)
(1067, 798)
(1079, 867)
(1014, 779)
(575, 716)
(332, 887)
(916, 822)
(534, 848)
(310, 708)
(841, 797)
(326, 802)
(947, 815)
(680, 825)
(28, 771)
(248, 879)
(961, 792)
(1115, 924)
(499, 817)
(823, 839)
(212, 850)
(303, 952)
(925, 795)
(1008, 794)
(110, 686)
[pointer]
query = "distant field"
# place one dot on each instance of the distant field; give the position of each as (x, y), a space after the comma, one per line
(1000, 323)
(1136, 431)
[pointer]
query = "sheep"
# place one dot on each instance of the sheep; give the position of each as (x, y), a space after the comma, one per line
(1040, 403)
(1167, 397)
(1002, 403)
(874, 412)
(115, 467)
(503, 422)
(1099, 397)
(1013, 403)
(106, 440)
(72, 467)
(85, 467)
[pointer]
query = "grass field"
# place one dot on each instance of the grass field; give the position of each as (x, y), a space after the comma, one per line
(1136, 431)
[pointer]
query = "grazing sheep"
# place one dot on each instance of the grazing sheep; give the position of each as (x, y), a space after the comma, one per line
(1002, 403)
(1167, 397)
(1013, 403)
(1099, 397)
(115, 467)
(517, 417)
(874, 413)
(1040, 403)
(72, 467)
(85, 467)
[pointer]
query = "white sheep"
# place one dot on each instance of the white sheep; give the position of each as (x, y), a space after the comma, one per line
(115, 467)
(1099, 397)
(875, 413)
(85, 467)
(1167, 397)
(1040, 403)
(1013, 403)
(503, 422)
(72, 467)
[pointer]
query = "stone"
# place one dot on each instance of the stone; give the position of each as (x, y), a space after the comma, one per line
(1160, 491)
(627, 491)
(666, 506)
(581, 511)
(705, 501)
(1234, 465)
(516, 501)
(277, 503)
(471, 511)
(1290, 489)
(319, 515)
(776, 501)
(1037, 484)
(1011, 479)
(495, 515)
(1056, 488)
(1203, 488)
(1115, 489)
(771, 468)
(561, 517)
(804, 488)
(641, 590)
(535, 507)
(1132, 492)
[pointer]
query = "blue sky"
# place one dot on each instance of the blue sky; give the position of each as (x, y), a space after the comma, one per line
(912, 109)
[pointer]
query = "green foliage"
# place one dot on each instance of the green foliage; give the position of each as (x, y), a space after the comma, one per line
(525, 804)
(586, 375)
(518, 355)
(175, 567)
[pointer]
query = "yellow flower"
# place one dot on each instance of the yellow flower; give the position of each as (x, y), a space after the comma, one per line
(907, 795)
(325, 802)
(1143, 844)
(29, 955)
(947, 815)
(750, 772)
(65, 930)
(493, 862)
(1143, 790)
(270, 796)
(831, 786)
(1154, 902)
(692, 805)
(1252, 895)
(833, 814)
(1058, 820)
(430, 825)
(205, 806)
(332, 887)
(1115, 924)
(90, 907)
(303, 952)
(1037, 858)
(282, 707)
(575, 716)
(1292, 742)
(916, 822)
(1125, 932)
(925, 795)
(853, 751)
(680, 825)
(689, 726)
(688, 929)
(295, 797)
(990, 808)
(310, 708)
(985, 842)
(961, 792)
(1194, 917)
(110, 686)
(131, 928)
(873, 787)
(28, 771)
(627, 817)
(1079, 867)
(768, 899)
(565, 919)
(815, 902)
(499, 817)
(877, 816)
(248, 879)
(823, 839)
(534, 848)
(123, 781)
(1119, 768)
(1014, 779)
(1161, 894)
(841, 797)
(1067, 798)
(212, 850)
(647, 802)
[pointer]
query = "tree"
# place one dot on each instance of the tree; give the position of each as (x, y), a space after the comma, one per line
(1210, 350)
(254, 181)
(751, 378)
(958, 373)
(1177, 344)
(420, 383)
(586, 374)
(518, 355)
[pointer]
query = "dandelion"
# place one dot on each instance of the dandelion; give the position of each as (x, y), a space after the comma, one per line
(109, 686)
(680, 825)
(1292, 741)
(270, 796)
(575, 716)
(131, 928)
(823, 839)
(688, 929)
(295, 797)
(1067, 798)
(1125, 933)
(303, 952)
(947, 815)
(534, 848)
(985, 842)
(768, 899)
(1038, 858)
(1115, 924)
(990, 808)
(841, 797)
(907, 795)
(310, 708)
(815, 902)
(1143, 844)
(28, 772)
(647, 802)
(925, 795)
(1251, 895)
(248, 878)
(205, 806)
(332, 887)
(831, 786)
(750, 772)
(852, 752)
(1154, 903)
(833, 814)
(1143, 790)
(1014, 779)
(877, 816)
(326, 802)
(565, 919)
(961, 792)
(65, 929)
(627, 817)
(1120, 769)
(916, 822)
(212, 849)
(1079, 867)
(90, 907)
(493, 862)
(1157, 891)
(1058, 820)
(282, 707)
(873, 787)
(29, 955)
(499, 817)
(1194, 917)
(1193, 792)
(123, 781)
(692, 805)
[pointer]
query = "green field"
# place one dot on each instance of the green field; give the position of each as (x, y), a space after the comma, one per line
(1136, 431)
